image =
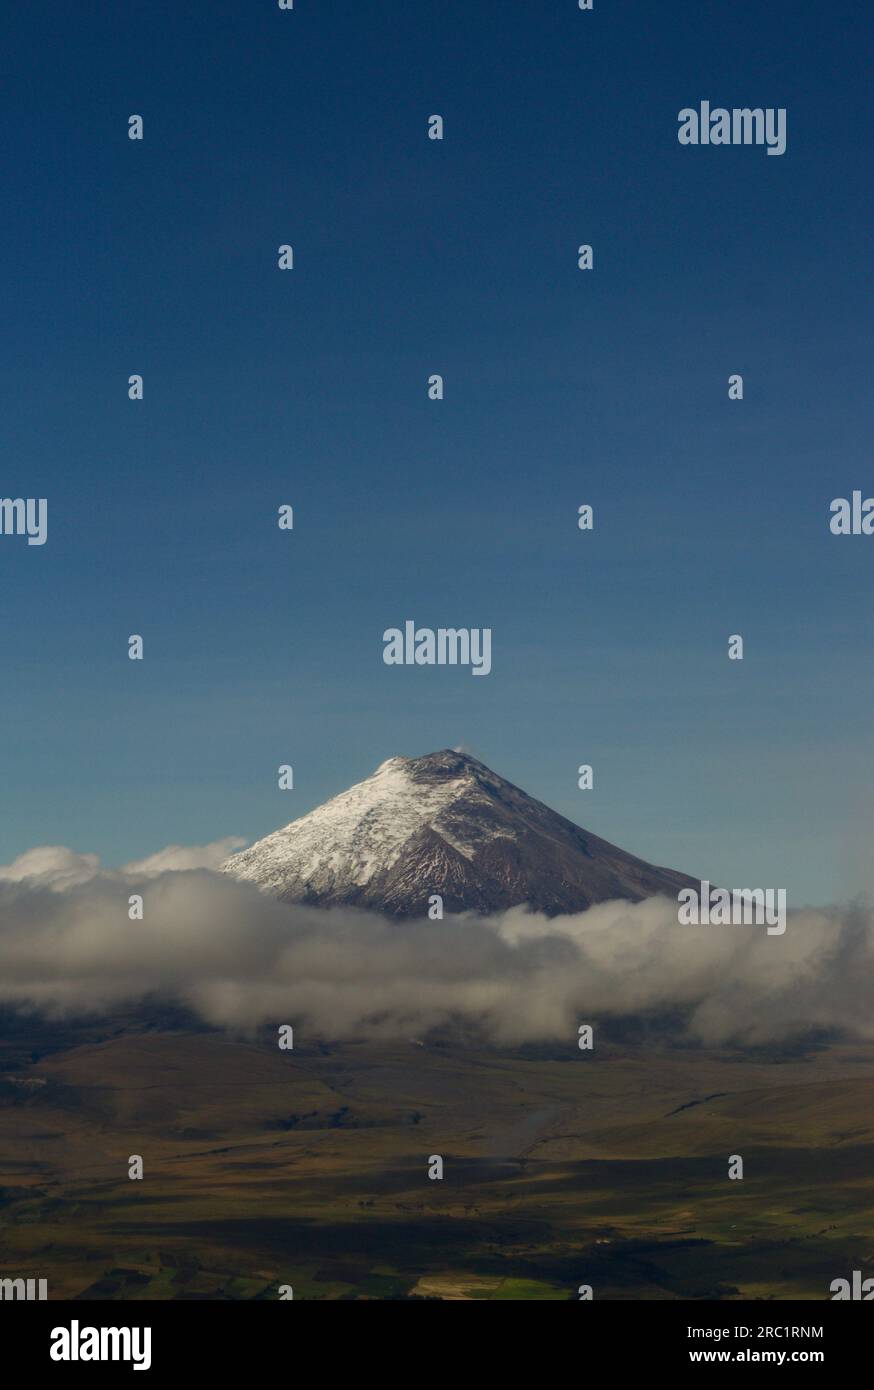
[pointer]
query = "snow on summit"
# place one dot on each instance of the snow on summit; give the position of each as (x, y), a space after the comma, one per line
(352, 837)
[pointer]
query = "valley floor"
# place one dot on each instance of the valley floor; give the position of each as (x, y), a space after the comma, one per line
(310, 1169)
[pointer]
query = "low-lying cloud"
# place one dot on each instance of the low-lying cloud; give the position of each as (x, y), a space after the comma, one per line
(242, 960)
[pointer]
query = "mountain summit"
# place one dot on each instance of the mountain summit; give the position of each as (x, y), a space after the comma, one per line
(446, 824)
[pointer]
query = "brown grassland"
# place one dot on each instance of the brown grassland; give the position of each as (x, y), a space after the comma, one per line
(310, 1168)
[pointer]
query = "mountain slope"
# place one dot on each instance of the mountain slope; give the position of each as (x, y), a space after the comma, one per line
(444, 823)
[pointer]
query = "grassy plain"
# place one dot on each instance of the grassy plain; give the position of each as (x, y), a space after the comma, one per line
(310, 1168)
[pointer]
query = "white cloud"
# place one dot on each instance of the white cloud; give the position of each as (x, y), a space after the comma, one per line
(52, 866)
(56, 867)
(179, 857)
(242, 959)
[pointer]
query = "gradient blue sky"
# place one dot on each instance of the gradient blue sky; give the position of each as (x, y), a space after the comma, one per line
(309, 387)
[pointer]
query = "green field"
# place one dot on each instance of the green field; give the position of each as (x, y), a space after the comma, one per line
(310, 1168)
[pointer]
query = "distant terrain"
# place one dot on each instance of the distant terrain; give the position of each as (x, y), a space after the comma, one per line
(309, 1167)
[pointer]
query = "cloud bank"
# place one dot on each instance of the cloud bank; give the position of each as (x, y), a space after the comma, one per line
(242, 960)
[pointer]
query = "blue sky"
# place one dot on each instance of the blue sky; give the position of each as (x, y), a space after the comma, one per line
(562, 387)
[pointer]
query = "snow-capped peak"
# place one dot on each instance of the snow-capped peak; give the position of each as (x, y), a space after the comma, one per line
(446, 824)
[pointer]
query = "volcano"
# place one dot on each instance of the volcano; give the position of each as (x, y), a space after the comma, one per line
(445, 824)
